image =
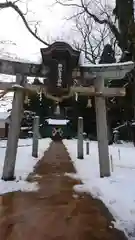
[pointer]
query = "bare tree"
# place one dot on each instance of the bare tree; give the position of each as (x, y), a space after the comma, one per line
(98, 13)
(94, 26)
(15, 6)
(92, 37)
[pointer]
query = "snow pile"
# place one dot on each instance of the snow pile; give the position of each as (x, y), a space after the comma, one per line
(11, 51)
(6, 102)
(24, 165)
(4, 115)
(118, 191)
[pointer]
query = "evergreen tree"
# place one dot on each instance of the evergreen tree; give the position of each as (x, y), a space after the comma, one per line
(108, 55)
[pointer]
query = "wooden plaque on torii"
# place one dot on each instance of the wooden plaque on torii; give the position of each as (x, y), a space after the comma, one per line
(61, 59)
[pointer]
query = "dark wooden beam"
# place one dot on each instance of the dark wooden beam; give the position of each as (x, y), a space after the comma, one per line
(90, 91)
(27, 69)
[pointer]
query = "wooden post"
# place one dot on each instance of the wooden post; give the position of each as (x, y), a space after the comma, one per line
(102, 135)
(87, 147)
(80, 138)
(111, 160)
(35, 137)
(14, 131)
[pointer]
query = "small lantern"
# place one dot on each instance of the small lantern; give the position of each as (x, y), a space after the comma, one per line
(89, 104)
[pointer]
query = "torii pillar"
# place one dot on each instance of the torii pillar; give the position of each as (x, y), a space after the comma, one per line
(102, 72)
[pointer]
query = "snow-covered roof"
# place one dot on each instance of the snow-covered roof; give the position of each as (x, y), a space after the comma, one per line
(115, 131)
(14, 52)
(22, 60)
(4, 115)
(57, 121)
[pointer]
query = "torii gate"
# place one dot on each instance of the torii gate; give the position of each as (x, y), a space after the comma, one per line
(64, 78)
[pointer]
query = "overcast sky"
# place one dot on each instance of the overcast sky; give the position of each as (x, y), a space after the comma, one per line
(52, 24)
(11, 26)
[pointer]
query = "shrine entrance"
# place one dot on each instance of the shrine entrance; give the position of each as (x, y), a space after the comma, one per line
(64, 76)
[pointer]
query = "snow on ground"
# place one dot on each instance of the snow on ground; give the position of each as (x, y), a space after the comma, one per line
(24, 165)
(118, 191)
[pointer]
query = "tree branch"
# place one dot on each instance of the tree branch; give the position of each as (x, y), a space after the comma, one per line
(9, 4)
(104, 21)
(68, 4)
(85, 7)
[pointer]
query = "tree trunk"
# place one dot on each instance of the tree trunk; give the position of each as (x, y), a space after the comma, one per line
(124, 12)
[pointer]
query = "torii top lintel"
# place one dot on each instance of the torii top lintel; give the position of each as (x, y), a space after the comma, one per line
(63, 53)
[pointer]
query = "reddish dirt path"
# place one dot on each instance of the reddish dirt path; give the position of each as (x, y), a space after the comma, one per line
(52, 213)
